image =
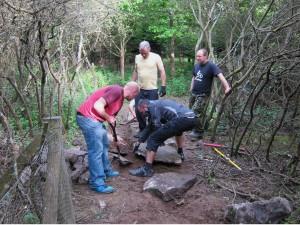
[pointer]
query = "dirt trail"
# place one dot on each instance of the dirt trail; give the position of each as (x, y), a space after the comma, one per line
(218, 185)
(129, 204)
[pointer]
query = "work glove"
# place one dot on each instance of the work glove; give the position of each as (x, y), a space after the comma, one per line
(136, 147)
(180, 152)
(162, 91)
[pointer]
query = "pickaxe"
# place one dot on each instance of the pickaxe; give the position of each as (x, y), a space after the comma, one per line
(122, 161)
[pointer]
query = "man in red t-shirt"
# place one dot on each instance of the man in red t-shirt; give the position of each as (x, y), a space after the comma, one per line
(102, 105)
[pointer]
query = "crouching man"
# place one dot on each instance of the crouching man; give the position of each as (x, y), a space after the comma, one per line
(166, 119)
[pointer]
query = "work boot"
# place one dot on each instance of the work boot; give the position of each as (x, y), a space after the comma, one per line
(196, 134)
(112, 173)
(103, 189)
(142, 171)
(180, 152)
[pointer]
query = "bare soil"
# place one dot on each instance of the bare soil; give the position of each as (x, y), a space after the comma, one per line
(219, 184)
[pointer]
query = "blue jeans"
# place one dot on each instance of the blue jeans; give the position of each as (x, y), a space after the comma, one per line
(95, 135)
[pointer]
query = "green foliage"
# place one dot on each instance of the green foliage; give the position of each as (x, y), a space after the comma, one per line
(178, 85)
(31, 218)
(160, 21)
(90, 80)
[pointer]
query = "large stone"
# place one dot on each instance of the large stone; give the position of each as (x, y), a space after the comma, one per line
(266, 211)
(165, 154)
(73, 153)
(169, 186)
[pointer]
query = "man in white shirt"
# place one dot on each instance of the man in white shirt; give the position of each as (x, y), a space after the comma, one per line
(146, 69)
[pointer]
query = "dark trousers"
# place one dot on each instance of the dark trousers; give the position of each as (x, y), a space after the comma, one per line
(144, 94)
(172, 128)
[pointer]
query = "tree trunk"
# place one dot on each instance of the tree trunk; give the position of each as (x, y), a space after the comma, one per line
(122, 61)
(12, 111)
(26, 110)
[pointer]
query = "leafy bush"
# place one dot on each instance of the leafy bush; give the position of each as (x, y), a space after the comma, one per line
(31, 218)
(178, 86)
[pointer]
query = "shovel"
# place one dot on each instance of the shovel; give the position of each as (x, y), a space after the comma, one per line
(122, 161)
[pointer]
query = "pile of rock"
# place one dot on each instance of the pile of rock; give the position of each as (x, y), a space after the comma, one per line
(77, 162)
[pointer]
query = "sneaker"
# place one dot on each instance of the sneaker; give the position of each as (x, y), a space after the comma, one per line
(141, 172)
(196, 134)
(112, 173)
(104, 189)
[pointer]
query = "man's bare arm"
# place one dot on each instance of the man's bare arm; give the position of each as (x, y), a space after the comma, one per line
(224, 82)
(99, 106)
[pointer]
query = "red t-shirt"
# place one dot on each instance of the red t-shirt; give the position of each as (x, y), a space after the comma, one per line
(113, 95)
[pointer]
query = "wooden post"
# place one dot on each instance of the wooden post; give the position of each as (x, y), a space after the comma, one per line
(58, 206)
(50, 200)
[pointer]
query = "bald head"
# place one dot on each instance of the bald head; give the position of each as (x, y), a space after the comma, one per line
(131, 90)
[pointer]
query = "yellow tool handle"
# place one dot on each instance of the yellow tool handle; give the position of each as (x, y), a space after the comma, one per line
(225, 157)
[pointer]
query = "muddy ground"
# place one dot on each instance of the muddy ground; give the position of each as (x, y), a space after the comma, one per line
(219, 184)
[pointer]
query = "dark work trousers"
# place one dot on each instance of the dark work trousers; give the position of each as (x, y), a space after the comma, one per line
(144, 94)
(199, 103)
(172, 128)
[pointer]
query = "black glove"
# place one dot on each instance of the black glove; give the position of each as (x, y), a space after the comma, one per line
(180, 152)
(162, 91)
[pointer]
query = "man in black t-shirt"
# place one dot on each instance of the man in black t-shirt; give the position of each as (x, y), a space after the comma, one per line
(203, 74)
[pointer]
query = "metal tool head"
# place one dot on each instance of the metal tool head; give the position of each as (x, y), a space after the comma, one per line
(122, 161)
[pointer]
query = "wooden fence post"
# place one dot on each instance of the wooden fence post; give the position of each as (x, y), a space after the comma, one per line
(57, 186)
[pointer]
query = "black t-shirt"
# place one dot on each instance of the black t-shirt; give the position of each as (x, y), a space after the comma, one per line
(203, 77)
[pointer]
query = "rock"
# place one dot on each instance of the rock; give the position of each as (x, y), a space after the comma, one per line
(76, 142)
(171, 142)
(123, 161)
(86, 161)
(266, 211)
(165, 154)
(102, 204)
(133, 128)
(84, 178)
(169, 186)
(73, 153)
(78, 168)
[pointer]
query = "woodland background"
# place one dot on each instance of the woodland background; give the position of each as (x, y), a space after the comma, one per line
(54, 53)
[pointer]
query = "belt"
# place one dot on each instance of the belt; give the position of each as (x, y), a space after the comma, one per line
(201, 95)
(79, 113)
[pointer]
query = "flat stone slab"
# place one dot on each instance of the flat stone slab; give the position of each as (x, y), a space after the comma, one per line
(266, 211)
(165, 154)
(169, 186)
